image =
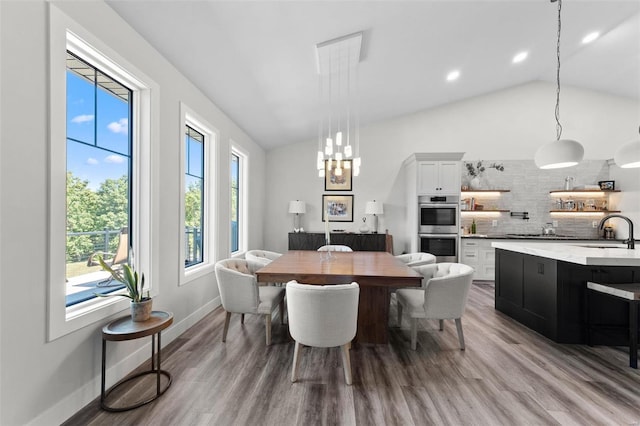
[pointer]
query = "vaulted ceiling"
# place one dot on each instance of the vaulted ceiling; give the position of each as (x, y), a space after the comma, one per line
(256, 59)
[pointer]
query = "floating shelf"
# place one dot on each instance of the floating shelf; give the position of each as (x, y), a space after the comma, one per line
(587, 191)
(486, 190)
(485, 211)
(584, 211)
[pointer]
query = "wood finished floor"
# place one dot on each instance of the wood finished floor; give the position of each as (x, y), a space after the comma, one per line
(508, 375)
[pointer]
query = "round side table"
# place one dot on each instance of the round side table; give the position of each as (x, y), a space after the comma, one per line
(123, 329)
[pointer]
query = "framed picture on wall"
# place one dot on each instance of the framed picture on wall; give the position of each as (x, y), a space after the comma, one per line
(607, 185)
(337, 208)
(334, 181)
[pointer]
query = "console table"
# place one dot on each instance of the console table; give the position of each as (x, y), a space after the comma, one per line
(125, 328)
(357, 242)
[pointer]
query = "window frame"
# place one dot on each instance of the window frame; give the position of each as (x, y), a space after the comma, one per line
(243, 189)
(188, 117)
(66, 34)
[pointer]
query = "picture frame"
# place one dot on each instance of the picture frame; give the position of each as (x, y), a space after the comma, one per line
(339, 208)
(607, 185)
(337, 183)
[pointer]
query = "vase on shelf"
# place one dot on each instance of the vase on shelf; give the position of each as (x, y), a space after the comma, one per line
(475, 183)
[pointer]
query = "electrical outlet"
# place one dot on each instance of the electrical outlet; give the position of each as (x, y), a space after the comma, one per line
(494, 223)
(555, 223)
(594, 224)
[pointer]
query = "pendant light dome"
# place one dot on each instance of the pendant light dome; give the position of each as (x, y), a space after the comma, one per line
(561, 152)
(628, 155)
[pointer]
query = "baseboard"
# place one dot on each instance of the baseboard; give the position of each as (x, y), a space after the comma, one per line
(75, 401)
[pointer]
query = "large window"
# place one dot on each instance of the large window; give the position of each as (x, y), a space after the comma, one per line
(194, 197)
(197, 204)
(102, 175)
(235, 201)
(98, 178)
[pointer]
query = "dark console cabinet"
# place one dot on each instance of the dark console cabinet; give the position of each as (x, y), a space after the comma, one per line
(357, 242)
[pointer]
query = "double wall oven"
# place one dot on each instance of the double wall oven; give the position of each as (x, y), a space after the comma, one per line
(439, 226)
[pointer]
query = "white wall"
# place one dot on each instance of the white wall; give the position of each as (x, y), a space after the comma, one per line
(46, 382)
(506, 125)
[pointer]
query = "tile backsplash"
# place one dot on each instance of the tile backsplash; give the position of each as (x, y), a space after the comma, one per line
(529, 192)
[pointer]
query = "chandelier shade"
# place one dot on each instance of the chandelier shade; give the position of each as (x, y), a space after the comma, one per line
(338, 127)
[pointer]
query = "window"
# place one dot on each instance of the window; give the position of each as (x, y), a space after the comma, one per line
(98, 176)
(193, 196)
(235, 201)
(197, 143)
(238, 200)
(101, 202)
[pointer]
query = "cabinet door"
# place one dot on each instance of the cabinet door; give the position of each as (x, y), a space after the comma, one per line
(449, 177)
(428, 180)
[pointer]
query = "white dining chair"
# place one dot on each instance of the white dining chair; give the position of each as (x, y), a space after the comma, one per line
(443, 296)
(335, 247)
(416, 259)
(240, 293)
(263, 256)
(322, 316)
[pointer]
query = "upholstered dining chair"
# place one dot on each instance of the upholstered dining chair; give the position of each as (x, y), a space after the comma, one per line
(322, 316)
(417, 259)
(240, 293)
(335, 247)
(443, 296)
(263, 256)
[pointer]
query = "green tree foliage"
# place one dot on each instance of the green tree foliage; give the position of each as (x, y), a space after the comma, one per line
(193, 205)
(89, 211)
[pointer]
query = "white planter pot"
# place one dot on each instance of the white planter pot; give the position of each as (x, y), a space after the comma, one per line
(141, 311)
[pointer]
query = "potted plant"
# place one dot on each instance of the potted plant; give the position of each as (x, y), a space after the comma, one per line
(134, 282)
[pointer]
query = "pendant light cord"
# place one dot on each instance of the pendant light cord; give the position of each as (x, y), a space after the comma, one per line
(558, 125)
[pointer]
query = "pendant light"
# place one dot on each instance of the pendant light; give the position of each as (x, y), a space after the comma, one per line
(628, 155)
(561, 152)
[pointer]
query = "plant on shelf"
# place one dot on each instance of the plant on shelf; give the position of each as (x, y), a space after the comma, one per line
(476, 170)
(134, 283)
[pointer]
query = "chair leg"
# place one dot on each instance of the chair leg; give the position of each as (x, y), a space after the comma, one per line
(460, 335)
(346, 363)
(399, 315)
(296, 362)
(441, 325)
(226, 326)
(282, 312)
(241, 318)
(414, 333)
(267, 324)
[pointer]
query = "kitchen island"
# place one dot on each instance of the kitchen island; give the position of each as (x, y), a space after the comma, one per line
(543, 286)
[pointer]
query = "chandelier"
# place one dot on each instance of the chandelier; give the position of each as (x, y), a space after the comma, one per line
(338, 127)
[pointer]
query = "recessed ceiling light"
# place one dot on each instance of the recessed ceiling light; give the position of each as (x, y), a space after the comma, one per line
(590, 37)
(453, 75)
(520, 57)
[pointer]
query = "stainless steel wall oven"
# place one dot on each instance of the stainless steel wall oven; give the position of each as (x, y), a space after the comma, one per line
(439, 226)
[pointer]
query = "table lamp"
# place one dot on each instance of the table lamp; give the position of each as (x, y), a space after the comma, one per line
(297, 207)
(374, 208)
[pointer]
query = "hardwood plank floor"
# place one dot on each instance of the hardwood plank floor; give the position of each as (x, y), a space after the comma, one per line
(507, 375)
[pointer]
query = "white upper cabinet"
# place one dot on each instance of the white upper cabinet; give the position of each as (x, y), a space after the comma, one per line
(439, 177)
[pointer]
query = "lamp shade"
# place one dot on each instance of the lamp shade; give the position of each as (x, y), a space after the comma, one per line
(628, 156)
(373, 207)
(297, 206)
(559, 154)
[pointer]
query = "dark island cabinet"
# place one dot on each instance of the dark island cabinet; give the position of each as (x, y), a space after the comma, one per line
(357, 242)
(550, 297)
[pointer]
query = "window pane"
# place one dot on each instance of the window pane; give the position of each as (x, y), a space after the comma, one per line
(194, 197)
(113, 116)
(235, 203)
(98, 184)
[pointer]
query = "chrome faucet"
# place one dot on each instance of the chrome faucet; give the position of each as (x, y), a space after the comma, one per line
(630, 241)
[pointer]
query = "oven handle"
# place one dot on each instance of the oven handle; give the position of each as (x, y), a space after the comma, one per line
(438, 235)
(446, 205)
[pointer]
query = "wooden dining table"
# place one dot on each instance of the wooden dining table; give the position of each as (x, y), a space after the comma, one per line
(377, 273)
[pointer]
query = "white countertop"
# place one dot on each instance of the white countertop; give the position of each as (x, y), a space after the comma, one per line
(613, 255)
